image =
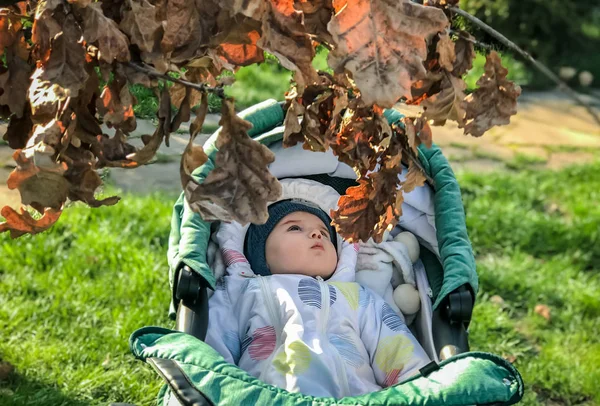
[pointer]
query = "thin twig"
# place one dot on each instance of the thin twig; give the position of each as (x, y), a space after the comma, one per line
(542, 68)
(471, 40)
(219, 91)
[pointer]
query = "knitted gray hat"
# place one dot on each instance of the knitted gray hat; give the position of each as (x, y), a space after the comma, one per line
(256, 236)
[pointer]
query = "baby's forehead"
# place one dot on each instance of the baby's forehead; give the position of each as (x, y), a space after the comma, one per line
(300, 217)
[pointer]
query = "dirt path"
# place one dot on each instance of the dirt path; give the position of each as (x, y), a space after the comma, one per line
(548, 132)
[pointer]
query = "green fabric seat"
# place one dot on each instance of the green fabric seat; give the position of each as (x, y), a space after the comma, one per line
(467, 379)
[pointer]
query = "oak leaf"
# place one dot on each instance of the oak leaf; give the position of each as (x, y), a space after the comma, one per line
(194, 156)
(66, 65)
(183, 20)
(465, 53)
(84, 181)
(285, 36)
(112, 43)
(382, 44)
(368, 210)
(21, 222)
(115, 104)
(447, 104)
(115, 148)
(446, 52)
(493, 102)
(14, 83)
(140, 24)
(292, 133)
(356, 215)
(19, 129)
(39, 178)
(361, 132)
(240, 185)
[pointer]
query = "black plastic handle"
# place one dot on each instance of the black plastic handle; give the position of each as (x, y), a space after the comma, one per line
(192, 311)
(450, 322)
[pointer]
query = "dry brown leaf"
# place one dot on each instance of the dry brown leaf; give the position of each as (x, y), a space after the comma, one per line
(465, 53)
(494, 101)
(45, 98)
(383, 45)
(292, 133)
(254, 9)
(356, 216)
(115, 104)
(414, 178)
(194, 156)
(183, 20)
(368, 210)
(66, 65)
(83, 184)
(183, 114)
(164, 113)
(8, 34)
(20, 223)
(144, 155)
(317, 14)
(19, 130)
(115, 148)
(14, 82)
(445, 50)
(39, 178)
(543, 310)
(448, 103)
(200, 112)
(112, 43)
(359, 135)
(140, 24)
(240, 185)
(284, 35)
(243, 54)
(236, 42)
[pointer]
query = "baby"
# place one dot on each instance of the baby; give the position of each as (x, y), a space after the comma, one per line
(289, 312)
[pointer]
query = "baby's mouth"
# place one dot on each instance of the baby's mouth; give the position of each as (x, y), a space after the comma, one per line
(318, 246)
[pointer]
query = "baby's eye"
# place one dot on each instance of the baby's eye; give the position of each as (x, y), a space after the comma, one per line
(294, 228)
(324, 234)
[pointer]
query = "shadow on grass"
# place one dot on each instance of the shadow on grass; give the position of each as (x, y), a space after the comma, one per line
(17, 390)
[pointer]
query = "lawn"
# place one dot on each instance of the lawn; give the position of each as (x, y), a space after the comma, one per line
(69, 298)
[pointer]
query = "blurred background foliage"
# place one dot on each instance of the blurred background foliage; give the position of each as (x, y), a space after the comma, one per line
(558, 33)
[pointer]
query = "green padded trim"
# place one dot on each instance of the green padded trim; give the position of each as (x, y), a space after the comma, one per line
(469, 378)
(451, 229)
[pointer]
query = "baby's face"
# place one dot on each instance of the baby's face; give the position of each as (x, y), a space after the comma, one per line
(300, 244)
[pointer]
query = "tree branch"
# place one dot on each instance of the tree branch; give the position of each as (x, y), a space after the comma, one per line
(219, 91)
(542, 68)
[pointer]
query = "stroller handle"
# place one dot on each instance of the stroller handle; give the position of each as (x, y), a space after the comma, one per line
(190, 290)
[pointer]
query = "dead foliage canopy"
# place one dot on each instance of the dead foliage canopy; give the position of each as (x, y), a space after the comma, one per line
(70, 72)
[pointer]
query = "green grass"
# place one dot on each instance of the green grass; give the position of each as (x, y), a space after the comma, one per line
(70, 297)
(537, 240)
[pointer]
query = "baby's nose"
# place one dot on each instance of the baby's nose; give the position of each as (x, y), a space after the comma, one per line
(316, 234)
